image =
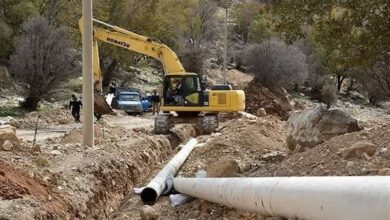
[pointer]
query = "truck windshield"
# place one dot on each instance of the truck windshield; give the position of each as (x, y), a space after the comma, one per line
(129, 97)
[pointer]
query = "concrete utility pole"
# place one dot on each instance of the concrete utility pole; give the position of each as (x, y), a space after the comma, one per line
(225, 45)
(88, 133)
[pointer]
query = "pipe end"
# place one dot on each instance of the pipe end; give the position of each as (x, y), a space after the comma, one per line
(149, 196)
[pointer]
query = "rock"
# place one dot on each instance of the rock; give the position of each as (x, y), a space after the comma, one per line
(8, 132)
(114, 138)
(358, 150)
(138, 130)
(314, 126)
(55, 152)
(36, 148)
(261, 112)
(63, 121)
(384, 172)
(148, 213)
(42, 161)
(223, 168)
(7, 145)
(275, 156)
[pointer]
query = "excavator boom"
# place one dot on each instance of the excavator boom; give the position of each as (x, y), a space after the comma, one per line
(131, 41)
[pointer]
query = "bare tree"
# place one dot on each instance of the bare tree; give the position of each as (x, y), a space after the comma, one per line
(201, 24)
(276, 64)
(376, 81)
(42, 59)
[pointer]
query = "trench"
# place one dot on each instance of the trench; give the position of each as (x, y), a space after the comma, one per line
(116, 184)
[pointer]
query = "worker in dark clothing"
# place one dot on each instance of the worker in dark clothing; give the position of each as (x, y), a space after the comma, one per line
(75, 105)
(155, 102)
(112, 89)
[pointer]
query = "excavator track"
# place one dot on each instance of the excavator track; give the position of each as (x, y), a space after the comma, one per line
(206, 123)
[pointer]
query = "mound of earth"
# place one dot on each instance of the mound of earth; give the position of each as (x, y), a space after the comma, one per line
(275, 103)
(242, 140)
(16, 184)
(327, 159)
(46, 119)
(234, 77)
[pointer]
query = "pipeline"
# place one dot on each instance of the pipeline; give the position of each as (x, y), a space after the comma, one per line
(319, 198)
(158, 184)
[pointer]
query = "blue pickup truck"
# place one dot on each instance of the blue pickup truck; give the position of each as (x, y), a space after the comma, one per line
(130, 101)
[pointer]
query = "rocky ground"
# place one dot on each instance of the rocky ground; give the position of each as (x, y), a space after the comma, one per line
(59, 178)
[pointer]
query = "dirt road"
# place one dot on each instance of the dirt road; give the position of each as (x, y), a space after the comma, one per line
(129, 122)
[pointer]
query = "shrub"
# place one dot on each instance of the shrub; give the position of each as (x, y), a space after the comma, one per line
(275, 64)
(329, 95)
(75, 85)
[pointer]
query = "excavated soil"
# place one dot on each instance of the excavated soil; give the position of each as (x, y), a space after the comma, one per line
(326, 159)
(46, 119)
(273, 103)
(17, 184)
(75, 181)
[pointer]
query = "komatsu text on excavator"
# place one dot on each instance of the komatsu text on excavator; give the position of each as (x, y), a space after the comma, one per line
(184, 97)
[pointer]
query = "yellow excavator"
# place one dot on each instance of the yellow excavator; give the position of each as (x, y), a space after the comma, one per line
(184, 96)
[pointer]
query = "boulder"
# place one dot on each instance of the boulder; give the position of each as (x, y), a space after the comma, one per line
(223, 168)
(314, 126)
(7, 145)
(8, 133)
(358, 150)
(261, 112)
(148, 213)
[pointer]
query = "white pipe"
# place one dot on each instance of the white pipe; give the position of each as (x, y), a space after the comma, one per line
(318, 198)
(248, 115)
(153, 190)
(88, 134)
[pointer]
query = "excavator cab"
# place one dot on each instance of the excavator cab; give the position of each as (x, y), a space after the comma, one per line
(183, 90)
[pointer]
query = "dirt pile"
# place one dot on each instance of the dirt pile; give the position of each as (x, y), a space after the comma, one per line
(16, 184)
(327, 159)
(46, 119)
(259, 97)
(234, 77)
(241, 140)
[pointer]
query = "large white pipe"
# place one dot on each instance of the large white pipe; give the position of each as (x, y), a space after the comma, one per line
(157, 185)
(311, 198)
(88, 134)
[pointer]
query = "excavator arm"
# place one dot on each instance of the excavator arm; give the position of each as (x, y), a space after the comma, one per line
(131, 41)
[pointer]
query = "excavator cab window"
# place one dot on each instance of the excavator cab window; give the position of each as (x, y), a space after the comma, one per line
(182, 90)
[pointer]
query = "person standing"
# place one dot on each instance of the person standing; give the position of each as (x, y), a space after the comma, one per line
(112, 89)
(75, 105)
(155, 102)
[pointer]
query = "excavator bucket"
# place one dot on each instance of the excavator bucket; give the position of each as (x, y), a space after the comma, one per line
(101, 106)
